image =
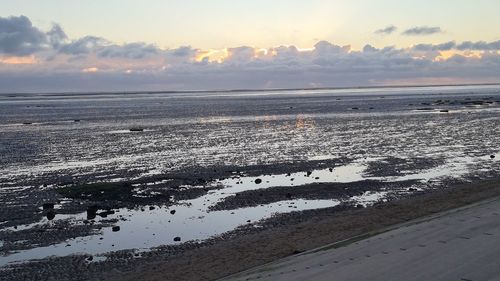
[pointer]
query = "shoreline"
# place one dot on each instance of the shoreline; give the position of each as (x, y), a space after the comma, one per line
(215, 261)
(402, 86)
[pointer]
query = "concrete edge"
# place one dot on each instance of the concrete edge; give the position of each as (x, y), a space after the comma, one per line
(273, 264)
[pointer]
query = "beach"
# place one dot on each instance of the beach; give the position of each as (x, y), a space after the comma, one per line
(202, 185)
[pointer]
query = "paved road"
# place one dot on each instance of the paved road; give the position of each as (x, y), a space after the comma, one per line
(458, 245)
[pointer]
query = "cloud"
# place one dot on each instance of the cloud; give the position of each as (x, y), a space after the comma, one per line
(19, 37)
(83, 45)
(50, 61)
(422, 30)
(136, 50)
(439, 47)
(480, 45)
(388, 30)
(56, 36)
(464, 46)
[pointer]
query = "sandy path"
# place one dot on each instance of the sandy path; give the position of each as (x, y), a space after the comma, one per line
(461, 244)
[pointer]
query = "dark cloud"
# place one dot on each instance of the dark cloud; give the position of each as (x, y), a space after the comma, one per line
(83, 45)
(56, 36)
(388, 30)
(439, 47)
(422, 30)
(136, 50)
(183, 51)
(19, 37)
(480, 45)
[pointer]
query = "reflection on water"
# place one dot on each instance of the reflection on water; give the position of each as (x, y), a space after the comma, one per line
(191, 220)
(42, 144)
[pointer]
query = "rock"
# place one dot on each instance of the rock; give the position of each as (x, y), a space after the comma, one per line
(359, 206)
(76, 120)
(308, 173)
(151, 208)
(330, 169)
(172, 212)
(115, 228)
(27, 123)
(136, 129)
(258, 181)
(92, 212)
(48, 206)
(177, 239)
(316, 178)
(492, 156)
(91, 258)
(51, 215)
(412, 189)
(444, 111)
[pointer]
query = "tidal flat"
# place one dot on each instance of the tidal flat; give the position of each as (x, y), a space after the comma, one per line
(95, 182)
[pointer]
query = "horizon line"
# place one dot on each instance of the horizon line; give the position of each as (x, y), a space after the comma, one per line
(252, 90)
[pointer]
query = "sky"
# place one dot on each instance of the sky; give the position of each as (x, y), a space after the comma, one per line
(131, 45)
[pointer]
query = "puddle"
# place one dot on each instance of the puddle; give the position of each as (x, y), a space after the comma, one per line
(191, 220)
(229, 129)
(151, 228)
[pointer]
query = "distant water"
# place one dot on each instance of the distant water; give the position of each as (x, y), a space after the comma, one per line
(52, 138)
(39, 137)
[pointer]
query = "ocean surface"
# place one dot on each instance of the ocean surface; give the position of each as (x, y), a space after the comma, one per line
(49, 139)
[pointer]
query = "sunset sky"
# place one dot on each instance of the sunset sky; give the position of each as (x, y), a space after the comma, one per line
(115, 45)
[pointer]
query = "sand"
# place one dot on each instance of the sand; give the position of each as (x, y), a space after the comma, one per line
(245, 251)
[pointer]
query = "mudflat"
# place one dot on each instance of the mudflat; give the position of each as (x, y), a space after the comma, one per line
(243, 252)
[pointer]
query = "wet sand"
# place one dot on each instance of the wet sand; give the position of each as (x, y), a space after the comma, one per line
(460, 244)
(242, 252)
(103, 185)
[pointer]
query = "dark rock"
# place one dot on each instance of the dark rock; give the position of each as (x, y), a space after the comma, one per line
(76, 120)
(91, 258)
(258, 181)
(151, 208)
(444, 110)
(177, 239)
(172, 212)
(115, 228)
(92, 212)
(308, 173)
(48, 206)
(492, 156)
(359, 206)
(51, 215)
(412, 189)
(136, 129)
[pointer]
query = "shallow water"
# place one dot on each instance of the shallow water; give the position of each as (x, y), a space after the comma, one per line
(218, 129)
